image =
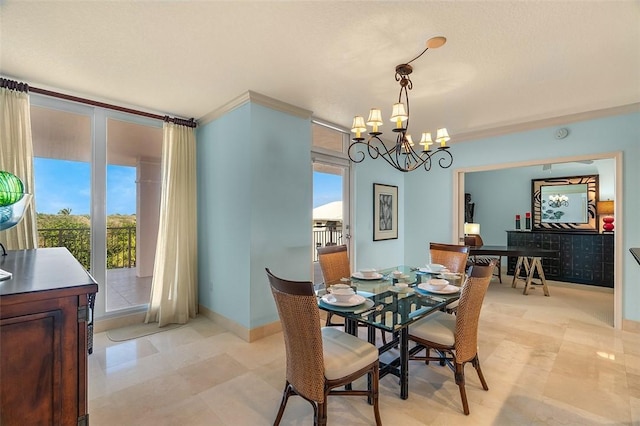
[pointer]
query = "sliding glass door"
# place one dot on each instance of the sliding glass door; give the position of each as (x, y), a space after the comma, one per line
(331, 192)
(97, 177)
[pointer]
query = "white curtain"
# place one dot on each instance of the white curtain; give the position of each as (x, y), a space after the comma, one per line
(16, 156)
(174, 289)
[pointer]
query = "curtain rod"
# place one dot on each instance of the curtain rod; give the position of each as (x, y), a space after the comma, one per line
(24, 87)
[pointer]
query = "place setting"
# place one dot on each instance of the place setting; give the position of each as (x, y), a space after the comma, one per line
(367, 275)
(342, 297)
(400, 283)
(433, 268)
(438, 286)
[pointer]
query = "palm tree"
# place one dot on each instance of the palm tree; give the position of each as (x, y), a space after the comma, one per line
(66, 211)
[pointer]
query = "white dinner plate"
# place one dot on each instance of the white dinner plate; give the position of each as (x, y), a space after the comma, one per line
(355, 300)
(429, 271)
(359, 276)
(449, 289)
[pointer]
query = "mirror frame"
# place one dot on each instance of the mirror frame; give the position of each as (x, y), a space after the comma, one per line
(592, 194)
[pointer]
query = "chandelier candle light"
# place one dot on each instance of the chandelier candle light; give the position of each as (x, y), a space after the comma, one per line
(557, 200)
(402, 155)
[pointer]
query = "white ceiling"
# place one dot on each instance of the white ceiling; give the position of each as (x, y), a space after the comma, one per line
(505, 62)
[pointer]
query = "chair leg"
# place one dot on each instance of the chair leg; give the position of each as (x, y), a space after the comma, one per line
(476, 364)
(328, 322)
(320, 413)
(288, 390)
(459, 375)
(375, 377)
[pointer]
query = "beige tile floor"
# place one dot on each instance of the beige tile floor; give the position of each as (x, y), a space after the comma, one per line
(548, 361)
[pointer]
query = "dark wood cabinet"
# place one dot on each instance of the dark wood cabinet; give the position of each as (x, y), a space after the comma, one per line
(44, 314)
(585, 257)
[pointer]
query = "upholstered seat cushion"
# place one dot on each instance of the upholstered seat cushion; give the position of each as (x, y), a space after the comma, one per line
(438, 327)
(345, 354)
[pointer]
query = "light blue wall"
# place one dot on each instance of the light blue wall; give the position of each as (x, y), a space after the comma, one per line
(369, 253)
(254, 209)
(428, 212)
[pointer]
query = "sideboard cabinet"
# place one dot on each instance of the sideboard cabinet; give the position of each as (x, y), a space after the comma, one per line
(585, 257)
(44, 314)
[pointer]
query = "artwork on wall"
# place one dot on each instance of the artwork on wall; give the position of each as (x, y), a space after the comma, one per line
(385, 212)
(565, 203)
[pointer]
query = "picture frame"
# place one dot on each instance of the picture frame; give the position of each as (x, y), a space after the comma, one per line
(565, 203)
(385, 212)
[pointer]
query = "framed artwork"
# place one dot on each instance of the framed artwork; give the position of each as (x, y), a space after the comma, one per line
(565, 203)
(385, 212)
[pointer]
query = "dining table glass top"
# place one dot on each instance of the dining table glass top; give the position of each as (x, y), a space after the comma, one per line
(389, 307)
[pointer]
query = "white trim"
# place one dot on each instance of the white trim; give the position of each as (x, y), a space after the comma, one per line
(256, 98)
(546, 122)
(618, 287)
(330, 125)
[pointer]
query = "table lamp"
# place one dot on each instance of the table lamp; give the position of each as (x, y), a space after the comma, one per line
(606, 208)
(472, 235)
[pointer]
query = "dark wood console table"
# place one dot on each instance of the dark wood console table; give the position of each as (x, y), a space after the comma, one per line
(585, 257)
(529, 258)
(44, 315)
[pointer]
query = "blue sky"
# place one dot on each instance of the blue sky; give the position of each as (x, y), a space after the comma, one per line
(326, 188)
(64, 184)
(67, 184)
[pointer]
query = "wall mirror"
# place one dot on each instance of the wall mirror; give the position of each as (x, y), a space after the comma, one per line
(565, 203)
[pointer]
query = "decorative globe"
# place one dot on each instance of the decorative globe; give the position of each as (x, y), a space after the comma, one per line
(11, 189)
(13, 200)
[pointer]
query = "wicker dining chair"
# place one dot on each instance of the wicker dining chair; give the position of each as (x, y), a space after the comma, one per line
(319, 360)
(455, 337)
(334, 263)
(452, 256)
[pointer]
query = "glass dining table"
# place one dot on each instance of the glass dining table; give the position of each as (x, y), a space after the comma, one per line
(392, 309)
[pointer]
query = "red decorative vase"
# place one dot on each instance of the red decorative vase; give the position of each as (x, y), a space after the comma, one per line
(608, 224)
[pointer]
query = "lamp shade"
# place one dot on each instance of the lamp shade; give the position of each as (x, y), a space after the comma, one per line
(375, 117)
(605, 207)
(399, 113)
(472, 228)
(358, 124)
(442, 136)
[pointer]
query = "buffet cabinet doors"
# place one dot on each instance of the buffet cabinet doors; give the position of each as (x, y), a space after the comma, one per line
(585, 257)
(43, 362)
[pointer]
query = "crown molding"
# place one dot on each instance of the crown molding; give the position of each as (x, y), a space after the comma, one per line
(547, 122)
(255, 98)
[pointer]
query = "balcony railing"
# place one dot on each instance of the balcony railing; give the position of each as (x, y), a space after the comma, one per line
(323, 236)
(121, 244)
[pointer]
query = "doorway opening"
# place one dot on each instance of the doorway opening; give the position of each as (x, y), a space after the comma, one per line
(459, 209)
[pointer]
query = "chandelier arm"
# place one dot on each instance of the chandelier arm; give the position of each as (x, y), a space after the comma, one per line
(426, 162)
(359, 155)
(447, 160)
(382, 151)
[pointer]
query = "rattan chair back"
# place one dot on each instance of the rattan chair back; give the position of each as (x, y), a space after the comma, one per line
(334, 263)
(298, 311)
(468, 311)
(453, 257)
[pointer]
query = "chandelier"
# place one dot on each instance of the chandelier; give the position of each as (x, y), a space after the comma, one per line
(402, 155)
(557, 200)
